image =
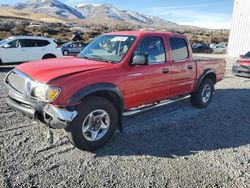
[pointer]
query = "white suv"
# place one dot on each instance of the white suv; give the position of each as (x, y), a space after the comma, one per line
(28, 48)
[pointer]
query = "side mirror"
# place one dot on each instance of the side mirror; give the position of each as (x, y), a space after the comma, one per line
(241, 56)
(6, 46)
(139, 59)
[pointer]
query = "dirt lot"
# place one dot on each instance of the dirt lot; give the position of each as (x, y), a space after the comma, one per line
(172, 146)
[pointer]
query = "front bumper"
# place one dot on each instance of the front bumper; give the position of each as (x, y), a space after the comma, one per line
(240, 70)
(57, 117)
(51, 115)
(19, 98)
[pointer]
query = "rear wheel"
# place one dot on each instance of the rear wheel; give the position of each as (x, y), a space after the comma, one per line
(94, 124)
(203, 96)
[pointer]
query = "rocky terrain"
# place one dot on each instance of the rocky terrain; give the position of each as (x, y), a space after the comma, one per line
(171, 146)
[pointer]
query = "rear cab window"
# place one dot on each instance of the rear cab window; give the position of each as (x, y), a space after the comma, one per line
(179, 49)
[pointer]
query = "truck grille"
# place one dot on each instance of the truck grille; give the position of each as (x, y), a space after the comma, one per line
(17, 82)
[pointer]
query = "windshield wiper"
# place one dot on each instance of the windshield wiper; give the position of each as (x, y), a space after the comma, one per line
(100, 58)
(84, 57)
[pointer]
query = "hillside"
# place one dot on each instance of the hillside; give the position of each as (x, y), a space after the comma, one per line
(92, 14)
(52, 8)
(12, 13)
(106, 12)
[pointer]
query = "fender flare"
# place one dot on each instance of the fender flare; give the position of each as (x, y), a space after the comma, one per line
(205, 74)
(105, 87)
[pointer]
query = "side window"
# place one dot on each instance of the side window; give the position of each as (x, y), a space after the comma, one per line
(153, 48)
(73, 45)
(41, 43)
(26, 43)
(179, 49)
(14, 44)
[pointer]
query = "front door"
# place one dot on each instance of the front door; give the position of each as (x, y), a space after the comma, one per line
(13, 53)
(148, 83)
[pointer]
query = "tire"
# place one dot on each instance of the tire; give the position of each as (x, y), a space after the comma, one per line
(65, 52)
(49, 56)
(80, 130)
(203, 96)
(1, 62)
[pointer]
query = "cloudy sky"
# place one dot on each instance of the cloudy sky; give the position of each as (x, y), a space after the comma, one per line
(214, 14)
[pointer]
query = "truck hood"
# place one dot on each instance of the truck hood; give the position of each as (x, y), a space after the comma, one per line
(46, 70)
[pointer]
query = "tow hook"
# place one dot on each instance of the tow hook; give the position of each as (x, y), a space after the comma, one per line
(50, 138)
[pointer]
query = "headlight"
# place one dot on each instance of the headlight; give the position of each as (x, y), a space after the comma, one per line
(45, 93)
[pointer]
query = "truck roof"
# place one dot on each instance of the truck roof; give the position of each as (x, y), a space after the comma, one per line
(141, 33)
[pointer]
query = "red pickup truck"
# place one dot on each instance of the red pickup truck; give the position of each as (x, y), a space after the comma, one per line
(117, 74)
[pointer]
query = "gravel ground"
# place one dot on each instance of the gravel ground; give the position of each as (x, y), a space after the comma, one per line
(171, 146)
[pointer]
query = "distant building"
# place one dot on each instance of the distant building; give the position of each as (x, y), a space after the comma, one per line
(239, 39)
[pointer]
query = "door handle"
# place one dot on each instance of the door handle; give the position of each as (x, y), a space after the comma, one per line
(165, 70)
(190, 67)
(135, 74)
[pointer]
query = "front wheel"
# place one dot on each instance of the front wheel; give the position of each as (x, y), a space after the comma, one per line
(203, 96)
(94, 124)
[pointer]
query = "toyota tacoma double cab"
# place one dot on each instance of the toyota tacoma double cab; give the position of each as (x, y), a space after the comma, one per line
(117, 74)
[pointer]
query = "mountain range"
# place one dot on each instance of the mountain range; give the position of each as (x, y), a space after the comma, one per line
(91, 13)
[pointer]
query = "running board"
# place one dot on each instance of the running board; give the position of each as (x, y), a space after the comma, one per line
(134, 111)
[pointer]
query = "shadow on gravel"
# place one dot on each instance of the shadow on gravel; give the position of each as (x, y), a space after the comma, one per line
(224, 124)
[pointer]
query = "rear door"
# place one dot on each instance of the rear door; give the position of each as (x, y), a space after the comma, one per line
(148, 83)
(80, 47)
(42, 48)
(28, 48)
(74, 48)
(183, 66)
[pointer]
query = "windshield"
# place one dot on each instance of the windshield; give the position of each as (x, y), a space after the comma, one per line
(247, 55)
(2, 42)
(110, 48)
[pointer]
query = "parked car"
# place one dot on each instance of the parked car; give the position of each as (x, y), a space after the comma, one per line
(242, 66)
(28, 48)
(195, 45)
(72, 48)
(117, 74)
(202, 49)
(219, 49)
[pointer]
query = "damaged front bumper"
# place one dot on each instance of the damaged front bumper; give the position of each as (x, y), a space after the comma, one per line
(57, 117)
(19, 98)
(51, 115)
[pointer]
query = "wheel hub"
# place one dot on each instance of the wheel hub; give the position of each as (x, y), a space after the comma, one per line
(95, 125)
(206, 93)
